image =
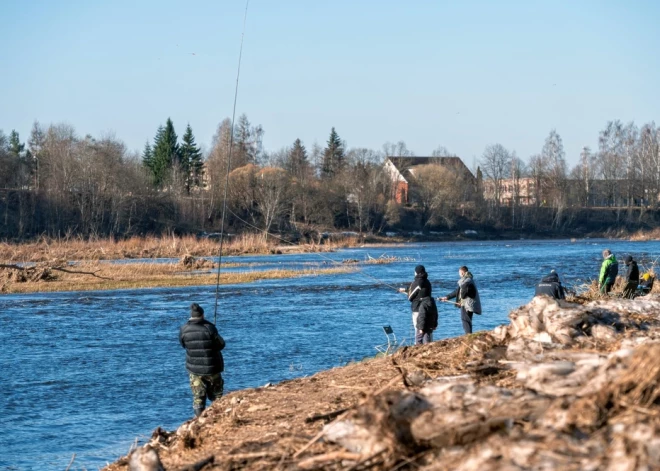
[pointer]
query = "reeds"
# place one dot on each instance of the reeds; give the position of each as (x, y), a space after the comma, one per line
(149, 275)
(79, 248)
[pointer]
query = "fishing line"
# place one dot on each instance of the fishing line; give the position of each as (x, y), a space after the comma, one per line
(315, 253)
(231, 148)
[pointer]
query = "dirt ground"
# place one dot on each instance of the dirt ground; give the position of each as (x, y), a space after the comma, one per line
(563, 386)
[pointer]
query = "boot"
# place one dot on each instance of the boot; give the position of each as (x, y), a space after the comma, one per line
(198, 411)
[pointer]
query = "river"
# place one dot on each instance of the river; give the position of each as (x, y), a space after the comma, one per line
(88, 372)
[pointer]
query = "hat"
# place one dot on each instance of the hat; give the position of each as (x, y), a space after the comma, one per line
(553, 272)
(627, 258)
(419, 270)
(196, 310)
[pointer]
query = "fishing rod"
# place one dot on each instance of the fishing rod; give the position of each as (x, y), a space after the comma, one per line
(231, 148)
(448, 302)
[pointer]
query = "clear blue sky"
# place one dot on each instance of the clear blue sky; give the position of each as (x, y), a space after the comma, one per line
(460, 74)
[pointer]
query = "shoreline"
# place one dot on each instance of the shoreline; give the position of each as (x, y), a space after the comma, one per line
(480, 401)
(45, 249)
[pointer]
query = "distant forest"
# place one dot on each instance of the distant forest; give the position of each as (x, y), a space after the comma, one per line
(60, 184)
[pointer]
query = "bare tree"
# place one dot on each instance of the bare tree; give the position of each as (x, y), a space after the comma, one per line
(270, 195)
(437, 191)
(496, 165)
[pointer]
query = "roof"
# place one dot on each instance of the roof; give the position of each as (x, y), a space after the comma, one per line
(403, 164)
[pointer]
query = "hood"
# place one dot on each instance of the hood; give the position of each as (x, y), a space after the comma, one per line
(551, 278)
(421, 276)
(611, 257)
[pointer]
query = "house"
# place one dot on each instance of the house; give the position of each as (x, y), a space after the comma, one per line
(402, 172)
(521, 190)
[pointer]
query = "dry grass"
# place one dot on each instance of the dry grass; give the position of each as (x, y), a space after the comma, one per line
(77, 248)
(147, 275)
(641, 235)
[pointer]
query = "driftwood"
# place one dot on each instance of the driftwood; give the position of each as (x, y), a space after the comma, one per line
(569, 408)
(199, 465)
(42, 272)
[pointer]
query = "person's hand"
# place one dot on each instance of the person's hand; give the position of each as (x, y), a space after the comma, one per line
(421, 331)
(402, 290)
(444, 298)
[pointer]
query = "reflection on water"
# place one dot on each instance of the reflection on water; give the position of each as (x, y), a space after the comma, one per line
(88, 372)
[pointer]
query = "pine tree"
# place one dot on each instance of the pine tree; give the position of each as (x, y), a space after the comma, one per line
(147, 156)
(333, 155)
(165, 152)
(297, 159)
(15, 146)
(191, 159)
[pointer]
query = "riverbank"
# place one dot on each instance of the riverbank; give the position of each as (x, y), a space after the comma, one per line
(78, 249)
(563, 386)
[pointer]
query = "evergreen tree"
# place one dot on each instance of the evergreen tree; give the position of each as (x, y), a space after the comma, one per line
(191, 159)
(15, 146)
(165, 152)
(297, 161)
(333, 155)
(147, 156)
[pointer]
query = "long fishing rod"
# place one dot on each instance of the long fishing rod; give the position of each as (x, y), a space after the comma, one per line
(316, 253)
(231, 147)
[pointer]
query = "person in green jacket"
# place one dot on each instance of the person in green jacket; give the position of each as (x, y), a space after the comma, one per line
(608, 272)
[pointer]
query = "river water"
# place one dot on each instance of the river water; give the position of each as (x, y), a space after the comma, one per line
(88, 372)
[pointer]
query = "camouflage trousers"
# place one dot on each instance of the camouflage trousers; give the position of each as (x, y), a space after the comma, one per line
(203, 386)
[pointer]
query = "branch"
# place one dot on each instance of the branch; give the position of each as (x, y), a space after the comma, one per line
(80, 272)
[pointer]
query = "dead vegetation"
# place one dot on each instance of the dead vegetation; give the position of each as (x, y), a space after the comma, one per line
(564, 386)
(85, 276)
(78, 248)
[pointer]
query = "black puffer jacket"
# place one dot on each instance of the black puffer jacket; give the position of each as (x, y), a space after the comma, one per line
(419, 289)
(550, 286)
(632, 274)
(202, 342)
(427, 319)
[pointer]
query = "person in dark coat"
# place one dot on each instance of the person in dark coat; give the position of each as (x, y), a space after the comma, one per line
(632, 277)
(467, 297)
(418, 292)
(550, 286)
(427, 321)
(204, 360)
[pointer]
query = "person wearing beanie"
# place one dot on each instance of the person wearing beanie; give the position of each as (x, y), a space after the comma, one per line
(550, 286)
(419, 295)
(204, 360)
(632, 277)
(608, 272)
(467, 296)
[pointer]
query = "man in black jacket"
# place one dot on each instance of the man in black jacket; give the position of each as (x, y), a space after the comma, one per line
(550, 286)
(418, 292)
(632, 277)
(204, 361)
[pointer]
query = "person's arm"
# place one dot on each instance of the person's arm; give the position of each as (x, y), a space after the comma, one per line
(218, 341)
(181, 338)
(453, 294)
(414, 290)
(560, 291)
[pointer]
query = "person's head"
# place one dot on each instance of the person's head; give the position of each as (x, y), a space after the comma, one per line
(196, 311)
(420, 270)
(628, 259)
(607, 253)
(462, 271)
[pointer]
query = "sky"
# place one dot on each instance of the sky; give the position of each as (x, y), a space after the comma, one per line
(461, 74)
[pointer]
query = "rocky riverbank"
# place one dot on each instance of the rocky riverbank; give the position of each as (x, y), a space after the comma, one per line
(563, 386)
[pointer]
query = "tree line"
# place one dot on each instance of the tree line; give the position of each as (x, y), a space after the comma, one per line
(58, 183)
